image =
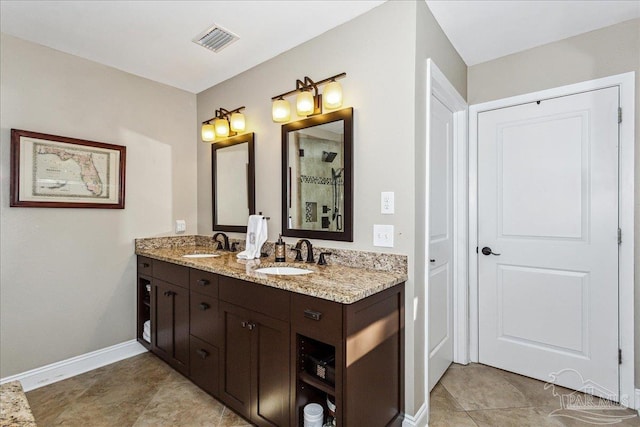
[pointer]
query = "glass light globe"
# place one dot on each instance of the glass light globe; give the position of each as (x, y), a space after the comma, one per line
(237, 122)
(332, 95)
(304, 103)
(222, 127)
(280, 111)
(208, 133)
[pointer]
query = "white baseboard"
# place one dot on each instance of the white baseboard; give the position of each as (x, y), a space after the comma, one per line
(68, 368)
(418, 420)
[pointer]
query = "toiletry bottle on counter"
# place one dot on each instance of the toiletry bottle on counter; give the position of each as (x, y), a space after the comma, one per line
(280, 250)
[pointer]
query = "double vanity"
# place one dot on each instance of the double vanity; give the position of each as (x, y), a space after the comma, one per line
(268, 342)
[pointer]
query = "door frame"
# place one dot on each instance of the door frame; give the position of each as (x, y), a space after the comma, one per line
(626, 86)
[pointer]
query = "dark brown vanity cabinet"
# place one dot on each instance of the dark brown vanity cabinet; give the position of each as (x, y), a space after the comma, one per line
(267, 353)
(255, 364)
(352, 353)
(170, 314)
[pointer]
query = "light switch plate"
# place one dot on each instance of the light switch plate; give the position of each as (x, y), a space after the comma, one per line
(387, 203)
(181, 226)
(383, 235)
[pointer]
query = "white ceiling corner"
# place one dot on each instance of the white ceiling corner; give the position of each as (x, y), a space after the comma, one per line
(483, 30)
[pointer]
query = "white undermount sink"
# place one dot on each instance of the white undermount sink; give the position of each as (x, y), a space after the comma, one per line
(283, 271)
(200, 256)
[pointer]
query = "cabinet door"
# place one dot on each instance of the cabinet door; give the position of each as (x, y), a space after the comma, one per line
(235, 365)
(181, 329)
(270, 371)
(171, 319)
(163, 318)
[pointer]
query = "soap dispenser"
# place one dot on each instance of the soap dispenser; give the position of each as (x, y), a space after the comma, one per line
(280, 250)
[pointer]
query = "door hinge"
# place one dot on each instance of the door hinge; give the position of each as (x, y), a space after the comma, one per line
(476, 249)
(619, 236)
(619, 356)
(619, 114)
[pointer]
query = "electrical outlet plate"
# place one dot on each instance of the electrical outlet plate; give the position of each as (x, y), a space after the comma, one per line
(181, 226)
(387, 203)
(383, 236)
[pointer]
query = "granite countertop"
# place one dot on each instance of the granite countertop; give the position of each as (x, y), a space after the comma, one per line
(336, 283)
(14, 407)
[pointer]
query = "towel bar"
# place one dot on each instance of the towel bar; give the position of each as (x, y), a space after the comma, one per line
(266, 217)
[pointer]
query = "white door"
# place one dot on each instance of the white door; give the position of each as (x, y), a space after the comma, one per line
(440, 241)
(548, 205)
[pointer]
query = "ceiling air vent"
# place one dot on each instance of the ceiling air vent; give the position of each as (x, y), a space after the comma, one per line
(215, 38)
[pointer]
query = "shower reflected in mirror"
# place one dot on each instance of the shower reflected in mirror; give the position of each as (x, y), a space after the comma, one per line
(317, 177)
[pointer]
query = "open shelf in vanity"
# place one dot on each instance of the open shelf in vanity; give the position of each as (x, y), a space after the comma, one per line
(315, 375)
(143, 294)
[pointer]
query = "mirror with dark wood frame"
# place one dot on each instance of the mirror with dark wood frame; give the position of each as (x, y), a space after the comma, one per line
(317, 177)
(233, 182)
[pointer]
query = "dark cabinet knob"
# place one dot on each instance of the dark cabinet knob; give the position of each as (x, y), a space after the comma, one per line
(204, 306)
(487, 251)
(203, 282)
(243, 324)
(203, 353)
(169, 293)
(251, 326)
(432, 260)
(144, 265)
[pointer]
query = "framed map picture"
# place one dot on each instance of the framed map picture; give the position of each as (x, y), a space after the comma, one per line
(49, 171)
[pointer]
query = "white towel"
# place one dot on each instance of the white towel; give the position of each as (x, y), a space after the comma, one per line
(256, 236)
(147, 327)
(146, 337)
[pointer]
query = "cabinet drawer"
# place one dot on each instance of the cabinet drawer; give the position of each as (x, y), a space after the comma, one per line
(316, 318)
(205, 366)
(203, 282)
(172, 273)
(204, 318)
(263, 299)
(145, 266)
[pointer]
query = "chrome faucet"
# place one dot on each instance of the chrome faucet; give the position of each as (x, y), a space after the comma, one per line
(309, 249)
(224, 247)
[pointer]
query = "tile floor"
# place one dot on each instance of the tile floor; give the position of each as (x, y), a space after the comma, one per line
(144, 391)
(140, 391)
(481, 396)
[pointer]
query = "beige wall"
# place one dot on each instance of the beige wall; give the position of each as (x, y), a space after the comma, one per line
(608, 51)
(66, 274)
(380, 85)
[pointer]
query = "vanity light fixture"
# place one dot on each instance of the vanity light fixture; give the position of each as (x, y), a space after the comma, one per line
(225, 123)
(308, 103)
(281, 110)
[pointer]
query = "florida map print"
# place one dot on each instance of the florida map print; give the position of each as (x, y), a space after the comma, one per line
(70, 172)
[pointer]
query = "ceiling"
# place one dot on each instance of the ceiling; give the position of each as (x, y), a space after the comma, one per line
(485, 30)
(152, 39)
